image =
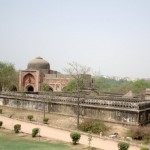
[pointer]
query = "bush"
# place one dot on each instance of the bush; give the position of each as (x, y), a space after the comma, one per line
(75, 136)
(17, 128)
(30, 117)
(123, 146)
(1, 123)
(139, 133)
(45, 120)
(35, 131)
(0, 111)
(94, 126)
(144, 148)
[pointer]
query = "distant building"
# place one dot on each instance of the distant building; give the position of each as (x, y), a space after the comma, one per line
(38, 72)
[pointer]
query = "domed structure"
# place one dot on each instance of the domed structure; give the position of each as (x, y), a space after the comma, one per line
(39, 64)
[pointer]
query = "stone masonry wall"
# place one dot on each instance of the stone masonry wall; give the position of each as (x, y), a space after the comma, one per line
(110, 114)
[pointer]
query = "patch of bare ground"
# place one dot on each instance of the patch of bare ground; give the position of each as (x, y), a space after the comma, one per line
(57, 120)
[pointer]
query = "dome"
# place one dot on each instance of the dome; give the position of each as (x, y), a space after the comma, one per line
(38, 64)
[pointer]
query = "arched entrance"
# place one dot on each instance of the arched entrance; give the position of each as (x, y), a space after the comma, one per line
(30, 88)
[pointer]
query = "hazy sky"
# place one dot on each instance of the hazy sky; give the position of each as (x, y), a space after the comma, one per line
(110, 36)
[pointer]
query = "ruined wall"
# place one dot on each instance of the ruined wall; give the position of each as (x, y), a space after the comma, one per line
(92, 108)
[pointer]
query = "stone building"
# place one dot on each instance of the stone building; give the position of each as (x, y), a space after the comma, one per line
(39, 72)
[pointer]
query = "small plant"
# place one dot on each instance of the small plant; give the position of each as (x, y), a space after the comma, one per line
(17, 128)
(89, 139)
(45, 120)
(144, 148)
(139, 133)
(35, 131)
(75, 136)
(30, 117)
(123, 146)
(94, 126)
(1, 123)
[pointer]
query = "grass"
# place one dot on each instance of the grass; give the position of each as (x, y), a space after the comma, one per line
(11, 141)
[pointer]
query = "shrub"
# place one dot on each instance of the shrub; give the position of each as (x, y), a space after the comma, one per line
(17, 128)
(35, 131)
(75, 136)
(144, 148)
(123, 146)
(0, 111)
(94, 126)
(139, 133)
(1, 123)
(30, 117)
(45, 120)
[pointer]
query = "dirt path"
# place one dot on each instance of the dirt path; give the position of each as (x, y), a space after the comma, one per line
(59, 134)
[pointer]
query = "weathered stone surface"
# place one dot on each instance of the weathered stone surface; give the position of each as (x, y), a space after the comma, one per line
(119, 110)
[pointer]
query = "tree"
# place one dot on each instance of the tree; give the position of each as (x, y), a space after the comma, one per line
(77, 72)
(8, 76)
(45, 87)
(139, 86)
(72, 86)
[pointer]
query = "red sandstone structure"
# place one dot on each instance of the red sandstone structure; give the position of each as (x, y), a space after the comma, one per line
(38, 72)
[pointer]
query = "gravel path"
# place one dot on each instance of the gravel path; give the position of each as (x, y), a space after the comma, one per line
(60, 134)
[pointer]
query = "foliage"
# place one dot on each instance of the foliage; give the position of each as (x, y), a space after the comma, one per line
(123, 146)
(139, 133)
(8, 76)
(30, 117)
(35, 131)
(94, 126)
(45, 87)
(72, 86)
(17, 128)
(45, 120)
(139, 86)
(89, 139)
(1, 111)
(77, 72)
(111, 85)
(144, 148)
(1, 123)
(75, 136)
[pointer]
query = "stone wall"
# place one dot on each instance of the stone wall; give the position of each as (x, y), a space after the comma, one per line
(128, 112)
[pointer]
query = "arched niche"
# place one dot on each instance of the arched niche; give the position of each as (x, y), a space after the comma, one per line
(28, 79)
(30, 88)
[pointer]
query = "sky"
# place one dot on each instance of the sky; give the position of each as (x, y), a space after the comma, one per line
(112, 37)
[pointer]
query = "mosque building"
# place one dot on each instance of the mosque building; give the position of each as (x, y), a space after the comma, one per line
(39, 72)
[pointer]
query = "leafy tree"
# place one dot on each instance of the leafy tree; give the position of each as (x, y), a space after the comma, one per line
(139, 86)
(121, 86)
(111, 85)
(8, 76)
(45, 87)
(72, 86)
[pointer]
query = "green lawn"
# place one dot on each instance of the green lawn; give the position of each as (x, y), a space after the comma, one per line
(9, 141)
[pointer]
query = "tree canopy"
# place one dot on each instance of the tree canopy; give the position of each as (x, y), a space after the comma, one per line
(8, 76)
(121, 86)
